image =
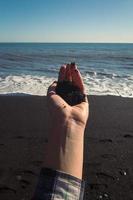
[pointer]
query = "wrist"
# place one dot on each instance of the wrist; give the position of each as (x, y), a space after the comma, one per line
(68, 128)
(65, 148)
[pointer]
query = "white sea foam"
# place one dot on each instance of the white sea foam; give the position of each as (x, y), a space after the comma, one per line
(27, 84)
(94, 84)
(104, 85)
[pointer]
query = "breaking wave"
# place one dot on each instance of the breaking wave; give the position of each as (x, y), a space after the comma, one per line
(95, 84)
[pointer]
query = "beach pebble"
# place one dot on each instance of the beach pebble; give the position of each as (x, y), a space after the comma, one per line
(19, 178)
(104, 196)
(123, 173)
(100, 197)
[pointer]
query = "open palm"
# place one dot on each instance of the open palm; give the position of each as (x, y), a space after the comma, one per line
(60, 110)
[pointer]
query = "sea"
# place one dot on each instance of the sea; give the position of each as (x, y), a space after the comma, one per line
(29, 68)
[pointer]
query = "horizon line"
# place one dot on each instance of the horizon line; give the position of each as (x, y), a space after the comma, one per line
(103, 42)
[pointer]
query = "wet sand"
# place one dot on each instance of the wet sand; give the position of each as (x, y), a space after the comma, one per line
(108, 160)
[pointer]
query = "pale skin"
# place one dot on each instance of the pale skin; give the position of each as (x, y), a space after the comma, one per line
(64, 150)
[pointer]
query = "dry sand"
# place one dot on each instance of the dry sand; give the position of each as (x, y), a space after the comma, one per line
(108, 160)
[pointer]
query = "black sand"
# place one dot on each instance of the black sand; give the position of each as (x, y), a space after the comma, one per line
(108, 161)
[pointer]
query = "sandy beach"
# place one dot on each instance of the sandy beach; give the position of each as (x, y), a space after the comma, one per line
(108, 159)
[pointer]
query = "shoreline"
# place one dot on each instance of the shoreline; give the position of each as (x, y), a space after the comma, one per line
(21, 94)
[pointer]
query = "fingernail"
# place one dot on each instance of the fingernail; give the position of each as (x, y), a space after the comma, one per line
(72, 63)
(62, 69)
(76, 70)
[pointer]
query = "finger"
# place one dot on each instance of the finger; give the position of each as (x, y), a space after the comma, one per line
(77, 79)
(73, 66)
(52, 89)
(68, 76)
(62, 73)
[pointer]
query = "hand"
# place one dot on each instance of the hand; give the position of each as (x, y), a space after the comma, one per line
(61, 109)
(67, 124)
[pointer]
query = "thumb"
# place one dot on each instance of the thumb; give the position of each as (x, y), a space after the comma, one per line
(55, 101)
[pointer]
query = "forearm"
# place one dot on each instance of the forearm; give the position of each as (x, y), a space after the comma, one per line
(64, 150)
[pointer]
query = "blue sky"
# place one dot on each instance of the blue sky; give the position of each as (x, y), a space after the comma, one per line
(66, 21)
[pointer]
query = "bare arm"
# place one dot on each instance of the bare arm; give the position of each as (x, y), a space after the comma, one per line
(64, 150)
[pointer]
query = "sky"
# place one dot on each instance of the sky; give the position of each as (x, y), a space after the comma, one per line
(66, 21)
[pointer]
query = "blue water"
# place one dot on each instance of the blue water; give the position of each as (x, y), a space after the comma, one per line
(30, 67)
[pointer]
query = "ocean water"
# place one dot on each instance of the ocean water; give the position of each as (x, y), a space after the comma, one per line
(29, 68)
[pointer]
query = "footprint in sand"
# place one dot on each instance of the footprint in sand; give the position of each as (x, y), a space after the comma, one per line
(98, 186)
(105, 175)
(24, 183)
(37, 163)
(128, 136)
(109, 156)
(25, 172)
(5, 188)
(106, 141)
(23, 177)
(19, 137)
(29, 172)
(93, 164)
